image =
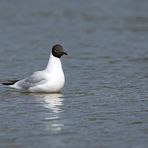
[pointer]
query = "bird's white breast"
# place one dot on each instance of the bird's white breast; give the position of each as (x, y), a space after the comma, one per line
(54, 75)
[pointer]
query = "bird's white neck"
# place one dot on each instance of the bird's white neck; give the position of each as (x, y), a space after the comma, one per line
(54, 64)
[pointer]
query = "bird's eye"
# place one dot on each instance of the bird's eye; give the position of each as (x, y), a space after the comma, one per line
(56, 50)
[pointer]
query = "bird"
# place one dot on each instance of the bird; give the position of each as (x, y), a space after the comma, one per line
(49, 80)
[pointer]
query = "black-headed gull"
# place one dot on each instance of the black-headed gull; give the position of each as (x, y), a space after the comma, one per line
(49, 80)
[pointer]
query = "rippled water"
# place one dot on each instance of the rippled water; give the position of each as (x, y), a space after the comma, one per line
(104, 103)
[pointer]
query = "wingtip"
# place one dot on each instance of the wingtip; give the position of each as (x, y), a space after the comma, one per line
(9, 82)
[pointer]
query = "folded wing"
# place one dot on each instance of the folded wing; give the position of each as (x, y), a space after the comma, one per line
(38, 78)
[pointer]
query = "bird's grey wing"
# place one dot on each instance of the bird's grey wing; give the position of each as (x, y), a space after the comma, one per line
(36, 79)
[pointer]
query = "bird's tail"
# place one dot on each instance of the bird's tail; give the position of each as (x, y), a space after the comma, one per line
(9, 82)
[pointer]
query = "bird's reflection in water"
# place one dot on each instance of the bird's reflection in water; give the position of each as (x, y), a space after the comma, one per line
(52, 104)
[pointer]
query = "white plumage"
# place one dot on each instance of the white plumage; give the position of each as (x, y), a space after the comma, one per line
(49, 80)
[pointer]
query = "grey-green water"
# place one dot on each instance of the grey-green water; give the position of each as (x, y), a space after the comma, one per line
(104, 103)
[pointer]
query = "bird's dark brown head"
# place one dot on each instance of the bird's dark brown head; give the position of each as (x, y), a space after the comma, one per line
(58, 51)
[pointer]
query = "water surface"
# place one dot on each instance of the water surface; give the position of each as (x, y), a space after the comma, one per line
(104, 103)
